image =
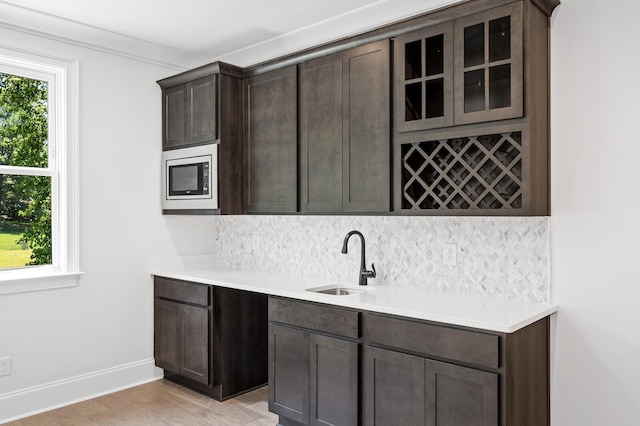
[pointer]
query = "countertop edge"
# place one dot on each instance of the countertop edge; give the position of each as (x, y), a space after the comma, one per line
(207, 276)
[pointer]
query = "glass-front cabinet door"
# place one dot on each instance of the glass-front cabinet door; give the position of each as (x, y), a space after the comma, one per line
(488, 65)
(423, 78)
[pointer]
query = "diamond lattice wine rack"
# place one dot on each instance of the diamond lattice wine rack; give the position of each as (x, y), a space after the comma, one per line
(464, 173)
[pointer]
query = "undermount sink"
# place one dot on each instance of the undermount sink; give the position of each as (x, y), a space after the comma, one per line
(336, 290)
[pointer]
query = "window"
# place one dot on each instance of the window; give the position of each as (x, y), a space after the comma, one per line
(38, 171)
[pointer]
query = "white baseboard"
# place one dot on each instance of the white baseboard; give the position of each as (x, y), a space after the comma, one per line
(38, 399)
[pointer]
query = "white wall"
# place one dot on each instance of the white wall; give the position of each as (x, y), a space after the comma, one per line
(99, 336)
(595, 226)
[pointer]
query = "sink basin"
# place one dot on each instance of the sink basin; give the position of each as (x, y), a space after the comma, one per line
(336, 290)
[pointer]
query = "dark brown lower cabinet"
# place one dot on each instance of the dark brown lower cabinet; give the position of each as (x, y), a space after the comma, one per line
(182, 339)
(423, 373)
(313, 378)
(410, 390)
(211, 339)
(330, 365)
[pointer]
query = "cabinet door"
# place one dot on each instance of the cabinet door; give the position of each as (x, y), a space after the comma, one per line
(289, 373)
(488, 65)
(201, 110)
(181, 339)
(334, 381)
(460, 396)
(366, 134)
(320, 109)
(423, 76)
(394, 388)
(194, 343)
(174, 100)
(167, 334)
(270, 142)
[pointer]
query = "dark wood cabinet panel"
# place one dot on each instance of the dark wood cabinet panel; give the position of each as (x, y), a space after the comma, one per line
(181, 339)
(345, 131)
(194, 343)
(409, 390)
(367, 132)
(334, 381)
(313, 378)
(167, 334)
(289, 373)
(189, 113)
(211, 339)
(457, 396)
(201, 110)
(239, 341)
(320, 108)
(466, 346)
(270, 141)
(174, 102)
(394, 388)
(316, 317)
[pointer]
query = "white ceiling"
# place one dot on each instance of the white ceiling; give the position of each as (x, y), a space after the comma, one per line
(184, 32)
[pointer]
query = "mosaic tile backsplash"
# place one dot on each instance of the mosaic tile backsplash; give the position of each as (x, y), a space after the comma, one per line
(501, 257)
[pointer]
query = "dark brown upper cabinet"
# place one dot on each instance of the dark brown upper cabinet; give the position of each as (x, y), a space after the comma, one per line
(424, 78)
(189, 113)
(321, 134)
(493, 157)
(488, 65)
(270, 141)
(203, 106)
(468, 70)
(345, 131)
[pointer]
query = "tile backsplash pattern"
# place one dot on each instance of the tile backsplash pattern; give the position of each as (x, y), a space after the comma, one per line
(501, 257)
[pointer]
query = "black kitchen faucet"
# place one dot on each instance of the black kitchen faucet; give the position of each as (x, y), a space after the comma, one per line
(364, 273)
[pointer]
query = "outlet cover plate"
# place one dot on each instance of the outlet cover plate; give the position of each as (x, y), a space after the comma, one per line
(450, 254)
(5, 366)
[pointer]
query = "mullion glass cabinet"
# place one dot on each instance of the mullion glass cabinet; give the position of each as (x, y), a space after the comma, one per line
(488, 65)
(424, 66)
(464, 71)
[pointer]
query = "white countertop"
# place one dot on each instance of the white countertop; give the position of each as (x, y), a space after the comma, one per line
(464, 310)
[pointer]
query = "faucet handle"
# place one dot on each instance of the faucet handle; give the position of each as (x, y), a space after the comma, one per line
(370, 274)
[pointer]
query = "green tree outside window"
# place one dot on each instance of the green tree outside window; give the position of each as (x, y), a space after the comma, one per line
(26, 199)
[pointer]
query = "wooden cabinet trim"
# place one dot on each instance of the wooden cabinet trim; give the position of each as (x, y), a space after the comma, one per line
(464, 346)
(317, 317)
(182, 291)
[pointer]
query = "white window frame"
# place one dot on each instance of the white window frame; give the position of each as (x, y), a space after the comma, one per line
(62, 77)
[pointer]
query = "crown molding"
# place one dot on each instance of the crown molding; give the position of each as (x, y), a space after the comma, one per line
(24, 20)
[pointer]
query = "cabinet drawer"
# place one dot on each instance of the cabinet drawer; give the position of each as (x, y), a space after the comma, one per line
(323, 318)
(182, 291)
(443, 342)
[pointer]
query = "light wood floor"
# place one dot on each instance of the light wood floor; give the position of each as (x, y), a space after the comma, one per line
(160, 403)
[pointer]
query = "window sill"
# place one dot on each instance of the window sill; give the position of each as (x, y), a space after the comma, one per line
(22, 281)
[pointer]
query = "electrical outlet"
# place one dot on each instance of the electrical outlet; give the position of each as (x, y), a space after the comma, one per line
(5, 366)
(450, 254)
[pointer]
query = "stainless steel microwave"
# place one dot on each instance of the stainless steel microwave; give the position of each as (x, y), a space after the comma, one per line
(190, 180)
